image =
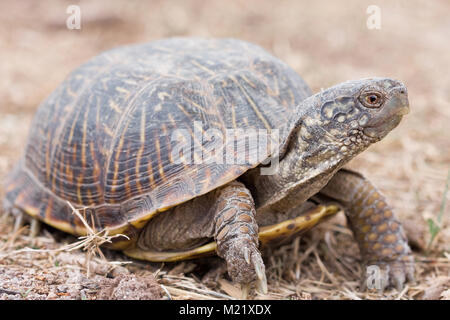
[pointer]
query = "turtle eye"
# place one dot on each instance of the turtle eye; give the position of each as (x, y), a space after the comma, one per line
(372, 99)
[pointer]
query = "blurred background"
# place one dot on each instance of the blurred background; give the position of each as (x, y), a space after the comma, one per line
(326, 42)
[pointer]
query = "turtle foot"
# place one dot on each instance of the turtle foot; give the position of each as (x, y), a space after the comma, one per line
(383, 274)
(246, 266)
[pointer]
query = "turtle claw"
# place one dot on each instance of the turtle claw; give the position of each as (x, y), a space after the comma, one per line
(410, 277)
(398, 279)
(261, 281)
(245, 289)
(401, 272)
(35, 227)
(19, 222)
(392, 273)
(21, 218)
(409, 270)
(4, 216)
(6, 207)
(257, 263)
(245, 266)
(261, 285)
(247, 255)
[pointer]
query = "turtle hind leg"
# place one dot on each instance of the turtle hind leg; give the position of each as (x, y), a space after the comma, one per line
(5, 210)
(19, 194)
(35, 227)
(8, 210)
(21, 218)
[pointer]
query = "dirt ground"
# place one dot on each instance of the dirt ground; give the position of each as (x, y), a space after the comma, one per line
(327, 42)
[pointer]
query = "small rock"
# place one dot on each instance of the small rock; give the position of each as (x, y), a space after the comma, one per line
(131, 287)
(52, 296)
(62, 288)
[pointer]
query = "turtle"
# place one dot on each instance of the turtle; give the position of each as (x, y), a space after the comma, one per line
(188, 147)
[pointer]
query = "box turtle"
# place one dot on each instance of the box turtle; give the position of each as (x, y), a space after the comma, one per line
(157, 142)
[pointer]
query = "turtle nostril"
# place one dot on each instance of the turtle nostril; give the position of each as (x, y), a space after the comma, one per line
(402, 90)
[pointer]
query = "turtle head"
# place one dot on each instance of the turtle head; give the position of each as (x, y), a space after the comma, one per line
(360, 112)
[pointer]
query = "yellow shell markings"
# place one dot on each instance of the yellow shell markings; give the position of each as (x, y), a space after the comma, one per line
(47, 157)
(139, 222)
(125, 91)
(196, 105)
(197, 64)
(141, 149)
(66, 116)
(127, 185)
(183, 110)
(165, 132)
(83, 141)
(96, 171)
(69, 142)
(127, 110)
(116, 162)
(158, 154)
(150, 174)
(79, 183)
(197, 158)
(233, 115)
(266, 235)
(113, 105)
(199, 143)
(275, 92)
(174, 125)
(108, 130)
(216, 102)
(251, 84)
(252, 104)
(225, 100)
(206, 180)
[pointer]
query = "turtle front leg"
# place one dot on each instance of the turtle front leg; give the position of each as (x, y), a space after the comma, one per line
(379, 234)
(236, 234)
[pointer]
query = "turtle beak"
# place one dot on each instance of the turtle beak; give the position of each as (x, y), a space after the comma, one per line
(400, 100)
(391, 113)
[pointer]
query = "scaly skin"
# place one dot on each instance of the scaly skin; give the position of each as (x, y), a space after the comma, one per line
(236, 234)
(379, 234)
(327, 130)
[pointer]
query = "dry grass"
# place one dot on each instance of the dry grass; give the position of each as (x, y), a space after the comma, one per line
(326, 42)
(91, 244)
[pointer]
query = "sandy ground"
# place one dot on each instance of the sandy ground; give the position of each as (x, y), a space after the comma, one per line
(326, 42)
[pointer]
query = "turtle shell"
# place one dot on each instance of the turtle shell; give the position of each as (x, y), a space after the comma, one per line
(103, 141)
